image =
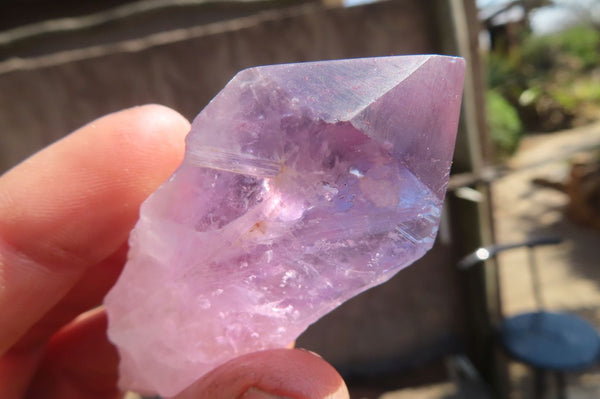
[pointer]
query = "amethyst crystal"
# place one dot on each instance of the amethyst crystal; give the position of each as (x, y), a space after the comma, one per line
(302, 186)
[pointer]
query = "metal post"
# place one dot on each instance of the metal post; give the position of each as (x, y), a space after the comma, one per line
(535, 279)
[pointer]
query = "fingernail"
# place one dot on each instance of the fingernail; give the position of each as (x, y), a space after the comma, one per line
(255, 393)
(311, 352)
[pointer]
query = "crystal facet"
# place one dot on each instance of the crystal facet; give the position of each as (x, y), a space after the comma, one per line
(302, 186)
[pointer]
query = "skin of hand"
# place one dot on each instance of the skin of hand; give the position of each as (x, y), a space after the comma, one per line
(65, 216)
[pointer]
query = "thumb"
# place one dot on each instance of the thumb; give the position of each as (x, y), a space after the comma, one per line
(271, 374)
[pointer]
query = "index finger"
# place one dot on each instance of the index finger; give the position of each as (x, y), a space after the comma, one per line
(73, 204)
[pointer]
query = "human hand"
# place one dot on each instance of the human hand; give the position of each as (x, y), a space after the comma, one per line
(65, 215)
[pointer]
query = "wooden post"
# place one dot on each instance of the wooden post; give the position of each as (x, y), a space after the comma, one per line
(472, 222)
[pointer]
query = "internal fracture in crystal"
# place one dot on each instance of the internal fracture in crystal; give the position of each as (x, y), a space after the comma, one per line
(302, 186)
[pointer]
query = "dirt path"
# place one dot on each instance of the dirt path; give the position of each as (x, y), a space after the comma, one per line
(570, 272)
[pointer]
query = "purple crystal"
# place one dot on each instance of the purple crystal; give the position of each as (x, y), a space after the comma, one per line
(302, 186)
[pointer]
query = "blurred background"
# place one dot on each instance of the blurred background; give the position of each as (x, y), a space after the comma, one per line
(527, 161)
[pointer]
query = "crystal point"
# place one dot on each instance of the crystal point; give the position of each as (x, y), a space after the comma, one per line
(302, 186)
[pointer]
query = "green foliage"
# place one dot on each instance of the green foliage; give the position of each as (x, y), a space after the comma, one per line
(502, 71)
(581, 91)
(546, 76)
(503, 122)
(546, 52)
(499, 70)
(582, 43)
(565, 99)
(538, 54)
(587, 90)
(505, 75)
